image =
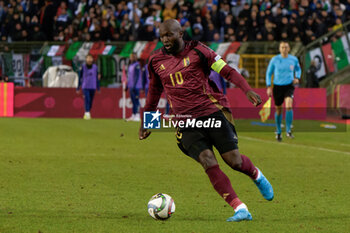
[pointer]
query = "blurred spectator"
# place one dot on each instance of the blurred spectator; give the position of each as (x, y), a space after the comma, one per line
(311, 78)
(170, 10)
(62, 19)
(37, 34)
(16, 34)
(63, 6)
(146, 33)
(106, 31)
(47, 14)
(230, 35)
(211, 32)
(197, 32)
(241, 31)
(134, 86)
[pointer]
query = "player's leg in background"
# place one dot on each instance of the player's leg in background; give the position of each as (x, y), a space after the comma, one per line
(133, 97)
(87, 105)
(92, 96)
(278, 97)
(136, 105)
(222, 184)
(278, 118)
(289, 114)
(243, 164)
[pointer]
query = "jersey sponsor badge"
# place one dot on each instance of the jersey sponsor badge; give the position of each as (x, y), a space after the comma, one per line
(217, 58)
(291, 67)
(162, 67)
(186, 61)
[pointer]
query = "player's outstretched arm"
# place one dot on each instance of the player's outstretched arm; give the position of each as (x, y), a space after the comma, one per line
(154, 93)
(233, 76)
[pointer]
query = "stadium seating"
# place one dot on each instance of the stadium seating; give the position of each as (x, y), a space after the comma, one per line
(205, 20)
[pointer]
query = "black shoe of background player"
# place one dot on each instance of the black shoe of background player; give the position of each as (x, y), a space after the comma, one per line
(279, 137)
(290, 135)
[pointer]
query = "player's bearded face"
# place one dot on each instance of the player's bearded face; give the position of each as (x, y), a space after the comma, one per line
(171, 41)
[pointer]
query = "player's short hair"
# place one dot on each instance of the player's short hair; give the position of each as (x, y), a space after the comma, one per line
(89, 55)
(284, 42)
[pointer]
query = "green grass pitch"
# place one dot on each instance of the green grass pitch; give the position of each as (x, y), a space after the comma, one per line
(71, 175)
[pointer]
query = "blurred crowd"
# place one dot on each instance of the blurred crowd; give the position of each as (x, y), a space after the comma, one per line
(205, 20)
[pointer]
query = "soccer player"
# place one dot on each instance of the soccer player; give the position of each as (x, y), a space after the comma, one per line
(287, 72)
(182, 70)
(134, 86)
(89, 81)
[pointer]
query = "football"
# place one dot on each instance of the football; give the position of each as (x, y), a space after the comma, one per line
(161, 206)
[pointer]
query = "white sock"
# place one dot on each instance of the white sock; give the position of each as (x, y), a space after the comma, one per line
(241, 206)
(259, 174)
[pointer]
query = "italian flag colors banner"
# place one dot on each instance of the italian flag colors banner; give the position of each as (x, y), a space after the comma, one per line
(328, 57)
(159, 45)
(341, 52)
(224, 49)
(72, 50)
(139, 47)
(128, 49)
(6, 99)
(214, 46)
(80, 50)
(143, 49)
(147, 50)
(84, 50)
(56, 50)
(97, 49)
(316, 56)
(108, 50)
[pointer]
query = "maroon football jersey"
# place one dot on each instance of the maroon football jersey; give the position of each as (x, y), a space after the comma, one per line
(185, 80)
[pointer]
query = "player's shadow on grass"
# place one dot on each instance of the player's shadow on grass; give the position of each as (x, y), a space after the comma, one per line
(186, 218)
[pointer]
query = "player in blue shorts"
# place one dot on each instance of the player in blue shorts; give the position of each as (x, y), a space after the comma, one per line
(286, 73)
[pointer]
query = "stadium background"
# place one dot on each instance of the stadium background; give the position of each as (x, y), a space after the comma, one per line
(245, 33)
(69, 175)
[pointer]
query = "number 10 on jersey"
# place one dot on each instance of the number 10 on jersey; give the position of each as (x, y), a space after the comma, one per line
(178, 78)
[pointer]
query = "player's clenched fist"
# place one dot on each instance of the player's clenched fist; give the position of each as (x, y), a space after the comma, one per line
(254, 98)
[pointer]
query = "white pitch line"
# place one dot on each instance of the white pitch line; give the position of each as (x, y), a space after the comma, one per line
(295, 145)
